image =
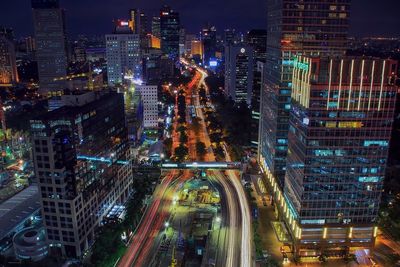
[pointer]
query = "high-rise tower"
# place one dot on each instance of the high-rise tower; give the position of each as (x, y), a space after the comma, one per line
(51, 49)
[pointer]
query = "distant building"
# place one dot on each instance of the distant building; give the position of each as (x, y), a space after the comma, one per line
(149, 95)
(82, 165)
(182, 41)
(8, 65)
(209, 39)
(156, 27)
(123, 54)
(339, 132)
(170, 27)
(188, 43)
(51, 48)
(197, 48)
(239, 66)
(230, 37)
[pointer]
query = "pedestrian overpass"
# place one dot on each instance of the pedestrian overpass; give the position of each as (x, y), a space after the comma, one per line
(203, 165)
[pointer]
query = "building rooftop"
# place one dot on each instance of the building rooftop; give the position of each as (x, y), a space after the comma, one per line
(18, 208)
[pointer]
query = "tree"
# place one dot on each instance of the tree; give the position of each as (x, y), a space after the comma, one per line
(183, 137)
(201, 148)
(181, 152)
(168, 146)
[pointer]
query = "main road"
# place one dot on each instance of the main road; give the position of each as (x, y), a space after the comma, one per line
(236, 246)
(239, 232)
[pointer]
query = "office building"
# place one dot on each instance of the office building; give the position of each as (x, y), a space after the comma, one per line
(149, 95)
(51, 48)
(196, 48)
(123, 54)
(170, 32)
(339, 132)
(292, 29)
(257, 39)
(156, 27)
(239, 66)
(209, 39)
(230, 36)
(182, 41)
(8, 65)
(82, 165)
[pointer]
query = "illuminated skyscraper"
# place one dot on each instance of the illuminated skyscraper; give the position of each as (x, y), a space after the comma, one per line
(81, 160)
(239, 72)
(50, 36)
(339, 131)
(293, 29)
(169, 27)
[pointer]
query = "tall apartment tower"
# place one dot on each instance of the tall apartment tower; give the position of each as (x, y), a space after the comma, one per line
(339, 132)
(81, 160)
(239, 72)
(170, 32)
(51, 48)
(8, 65)
(123, 54)
(294, 28)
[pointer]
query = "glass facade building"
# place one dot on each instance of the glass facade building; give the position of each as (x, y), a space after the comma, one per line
(339, 132)
(239, 72)
(293, 28)
(51, 45)
(170, 32)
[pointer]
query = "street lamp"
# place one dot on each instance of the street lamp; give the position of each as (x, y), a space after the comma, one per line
(218, 219)
(166, 224)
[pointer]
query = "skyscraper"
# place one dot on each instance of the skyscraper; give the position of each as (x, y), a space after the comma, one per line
(239, 72)
(155, 27)
(81, 160)
(123, 54)
(8, 65)
(339, 132)
(258, 40)
(169, 27)
(293, 30)
(209, 38)
(51, 48)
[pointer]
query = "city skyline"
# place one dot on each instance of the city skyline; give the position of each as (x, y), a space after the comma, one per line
(373, 18)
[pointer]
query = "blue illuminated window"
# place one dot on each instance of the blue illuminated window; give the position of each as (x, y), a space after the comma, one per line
(375, 143)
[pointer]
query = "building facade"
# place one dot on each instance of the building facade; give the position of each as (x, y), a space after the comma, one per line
(293, 29)
(51, 48)
(209, 38)
(82, 164)
(156, 27)
(149, 95)
(170, 29)
(258, 40)
(239, 66)
(339, 132)
(8, 65)
(123, 55)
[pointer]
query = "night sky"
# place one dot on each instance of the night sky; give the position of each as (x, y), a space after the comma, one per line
(368, 17)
